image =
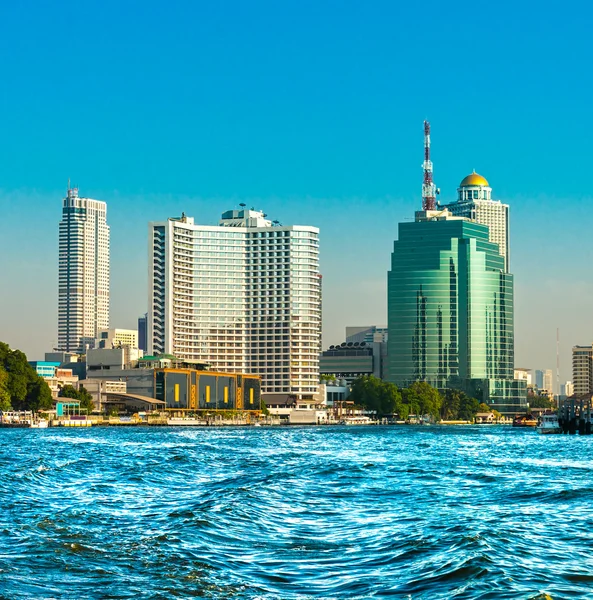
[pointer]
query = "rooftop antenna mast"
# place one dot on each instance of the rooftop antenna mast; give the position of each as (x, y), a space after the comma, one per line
(558, 362)
(429, 189)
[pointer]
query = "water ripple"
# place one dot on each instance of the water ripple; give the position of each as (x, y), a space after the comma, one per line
(295, 513)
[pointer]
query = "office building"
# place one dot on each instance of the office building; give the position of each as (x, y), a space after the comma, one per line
(539, 379)
(142, 332)
(582, 370)
(450, 311)
(83, 286)
(474, 201)
(117, 338)
(524, 374)
(549, 382)
(366, 333)
(243, 296)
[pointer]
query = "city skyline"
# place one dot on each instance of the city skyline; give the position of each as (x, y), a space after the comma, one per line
(209, 117)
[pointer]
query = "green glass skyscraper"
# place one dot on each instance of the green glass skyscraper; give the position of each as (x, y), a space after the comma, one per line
(450, 311)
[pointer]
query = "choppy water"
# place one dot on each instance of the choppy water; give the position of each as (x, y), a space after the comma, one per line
(340, 512)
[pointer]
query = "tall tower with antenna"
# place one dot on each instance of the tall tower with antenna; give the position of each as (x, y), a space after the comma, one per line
(429, 189)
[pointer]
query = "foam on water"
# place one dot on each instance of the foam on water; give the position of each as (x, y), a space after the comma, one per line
(283, 513)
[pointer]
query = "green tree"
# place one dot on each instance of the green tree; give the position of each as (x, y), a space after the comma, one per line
(4, 393)
(327, 377)
(468, 407)
(451, 404)
(39, 395)
(484, 407)
(264, 409)
(423, 399)
(26, 390)
(540, 402)
(376, 395)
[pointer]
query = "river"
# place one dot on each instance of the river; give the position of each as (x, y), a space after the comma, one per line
(295, 513)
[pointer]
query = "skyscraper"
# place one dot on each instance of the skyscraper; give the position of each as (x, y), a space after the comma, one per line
(83, 287)
(142, 332)
(450, 311)
(582, 370)
(474, 201)
(242, 296)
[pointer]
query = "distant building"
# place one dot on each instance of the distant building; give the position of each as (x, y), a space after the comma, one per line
(549, 381)
(83, 285)
(143, 332)
(539, 379)
(568, 389)
(115, 338)
(55, 375)
(243, 296)
(366, 333)
(350, 360)
(475, 202)
(523, 375)
(582, 370)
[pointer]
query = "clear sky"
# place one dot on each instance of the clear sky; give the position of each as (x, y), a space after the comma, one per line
(311, 111)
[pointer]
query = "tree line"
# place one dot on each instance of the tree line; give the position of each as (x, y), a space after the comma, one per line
(419, 399)
(20, 386)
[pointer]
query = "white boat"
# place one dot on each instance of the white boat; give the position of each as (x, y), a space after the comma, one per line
(41, 424)
(548, 424)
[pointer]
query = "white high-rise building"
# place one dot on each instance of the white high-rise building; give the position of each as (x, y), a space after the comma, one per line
(474, 201)
(83, 287)
(242, 296)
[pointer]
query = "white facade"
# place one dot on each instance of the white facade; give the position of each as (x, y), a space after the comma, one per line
(114, 338)
(474, 201)
(242, 296)
(523, 375)
(83, 288)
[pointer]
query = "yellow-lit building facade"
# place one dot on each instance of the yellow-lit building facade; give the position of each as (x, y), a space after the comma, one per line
(193, 390)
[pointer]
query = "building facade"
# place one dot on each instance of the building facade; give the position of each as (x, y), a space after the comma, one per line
(83, 284)
(142, 332)
(474, 201)
(450, 311)
(582, 370)
(243, 296)
(115, 338)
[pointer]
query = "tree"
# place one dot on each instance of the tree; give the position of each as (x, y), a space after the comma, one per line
(327, 377)
(39, 395)
(468, 407)
(26, 390)
(376, 395)
(423, 399)
(4, 394)
(484, 407)
(81, 394)
(540, 402)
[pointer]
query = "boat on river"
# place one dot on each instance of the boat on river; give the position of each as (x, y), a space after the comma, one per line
(548, 424)
(525, 421)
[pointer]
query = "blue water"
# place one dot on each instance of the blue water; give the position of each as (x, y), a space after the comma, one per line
(280, 513)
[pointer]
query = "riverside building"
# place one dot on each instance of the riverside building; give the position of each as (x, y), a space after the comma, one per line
(83, 282)
(474, 201)
(450, 311)
(243, 296)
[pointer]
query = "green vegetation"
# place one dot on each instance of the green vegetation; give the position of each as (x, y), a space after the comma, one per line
(82, 395)
(20, 386)
(327, 378)
(540, 402)
(419, 399)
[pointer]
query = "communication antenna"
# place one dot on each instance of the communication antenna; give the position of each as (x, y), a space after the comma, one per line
(558, 361)
(429, 190)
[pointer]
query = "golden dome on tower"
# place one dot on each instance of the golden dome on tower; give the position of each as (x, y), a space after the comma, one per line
(474, 179)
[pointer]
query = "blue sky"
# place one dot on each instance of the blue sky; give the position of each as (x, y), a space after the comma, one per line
(312, 111)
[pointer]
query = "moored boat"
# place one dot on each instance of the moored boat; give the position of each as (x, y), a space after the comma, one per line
(548, 424)
(525, 421)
